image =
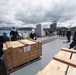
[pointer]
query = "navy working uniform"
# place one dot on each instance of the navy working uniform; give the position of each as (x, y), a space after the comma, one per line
(14, 34)
(68, 34)
(33, 34)
(74, 41)
(60, 33)
(63, 33)
(3, 39)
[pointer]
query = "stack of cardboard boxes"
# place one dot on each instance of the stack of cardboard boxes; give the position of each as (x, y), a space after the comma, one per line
(19, 52)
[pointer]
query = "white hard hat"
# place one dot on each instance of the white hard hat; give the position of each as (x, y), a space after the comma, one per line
(33, 30)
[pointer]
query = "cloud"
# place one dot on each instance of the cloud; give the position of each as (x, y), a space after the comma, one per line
(32, 12)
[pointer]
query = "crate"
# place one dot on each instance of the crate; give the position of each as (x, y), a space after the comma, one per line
(40, 52)
(8, 66)
(68, 50)
(63, 63)
(20, 52)
(18, 55)
(54, 68)
(15, 55)
(35, 52)
(71, 69)
(33, 45)
(7, 57)
(40, 73)
(39, 43)
(64, 54)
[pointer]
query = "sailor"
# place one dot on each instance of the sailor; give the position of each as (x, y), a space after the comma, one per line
(60, 33)
(74, 40)
(63, 33)
(14, 34)
(33, 34)
(3, 39)
(68, 35)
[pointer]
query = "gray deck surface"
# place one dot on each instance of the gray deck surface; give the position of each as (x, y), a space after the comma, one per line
(50, 47)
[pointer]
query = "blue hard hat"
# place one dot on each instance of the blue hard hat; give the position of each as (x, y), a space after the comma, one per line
(5, 33)
(14, 27)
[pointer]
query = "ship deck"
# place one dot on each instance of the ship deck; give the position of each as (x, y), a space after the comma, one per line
(50, 47)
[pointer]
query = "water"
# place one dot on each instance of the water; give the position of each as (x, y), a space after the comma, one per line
(19, 31)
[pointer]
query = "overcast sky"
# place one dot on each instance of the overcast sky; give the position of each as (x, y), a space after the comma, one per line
(32, 12)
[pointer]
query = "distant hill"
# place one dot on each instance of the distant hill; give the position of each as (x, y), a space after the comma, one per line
(73, 28)
(22, 28)
(5, 28)
(25, 28)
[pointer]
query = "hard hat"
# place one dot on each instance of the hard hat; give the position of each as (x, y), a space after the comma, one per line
(14, 27)
(33, 30)
(5, 33)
